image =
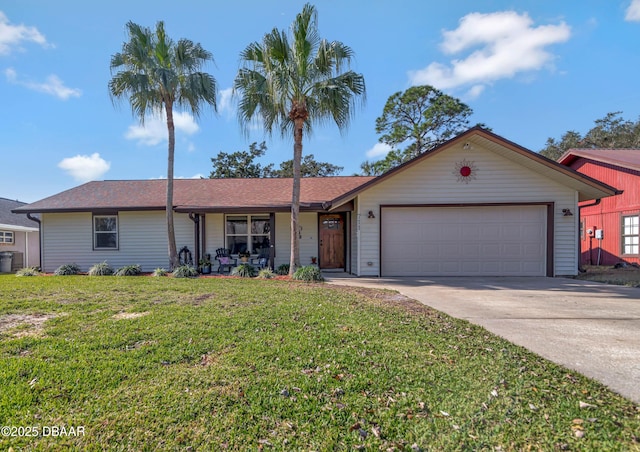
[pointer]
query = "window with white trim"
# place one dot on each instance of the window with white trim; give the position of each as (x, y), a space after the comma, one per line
(6, 237)
(631, 234)
(105, 232)
(247, 232)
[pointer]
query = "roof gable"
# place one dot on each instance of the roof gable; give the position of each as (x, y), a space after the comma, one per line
(587, 187)
(623, 158)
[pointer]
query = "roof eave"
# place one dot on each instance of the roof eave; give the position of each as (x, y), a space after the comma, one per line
(28, 210)
(304, 207)
(572, 155)
(14, 227)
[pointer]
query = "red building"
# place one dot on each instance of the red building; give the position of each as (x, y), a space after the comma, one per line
(609, 228)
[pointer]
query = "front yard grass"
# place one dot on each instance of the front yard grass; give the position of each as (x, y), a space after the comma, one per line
(144, 363)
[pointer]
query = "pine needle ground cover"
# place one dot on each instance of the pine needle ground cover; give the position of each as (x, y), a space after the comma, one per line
(141, 363)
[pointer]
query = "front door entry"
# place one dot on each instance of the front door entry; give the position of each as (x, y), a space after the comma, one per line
(331, 241)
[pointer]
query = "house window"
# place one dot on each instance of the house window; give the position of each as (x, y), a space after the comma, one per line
(6, 237)
(105, 232)
(631, 234)
(247, 232)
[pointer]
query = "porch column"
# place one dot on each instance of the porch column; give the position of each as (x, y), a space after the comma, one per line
(272, 240)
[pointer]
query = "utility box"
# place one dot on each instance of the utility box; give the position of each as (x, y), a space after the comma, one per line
(6, 257)
(17, 261)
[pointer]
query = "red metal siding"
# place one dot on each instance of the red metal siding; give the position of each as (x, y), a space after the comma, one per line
(608, 214)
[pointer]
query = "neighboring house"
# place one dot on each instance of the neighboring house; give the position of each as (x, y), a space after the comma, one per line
(19, 235)
(610, 228)
(477, 205)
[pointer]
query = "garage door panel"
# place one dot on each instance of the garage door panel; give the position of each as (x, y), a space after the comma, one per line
(531, 250)
(511, 232)
(490, 241)
(473, 251)
(490, 250)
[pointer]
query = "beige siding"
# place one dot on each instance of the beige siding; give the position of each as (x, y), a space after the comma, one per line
(308, 237)
(214, 236)
(68, 238)
(498, 180)
(27, 246)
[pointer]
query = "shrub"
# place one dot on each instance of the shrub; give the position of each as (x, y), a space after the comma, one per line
(67, 270)
(309, 273)
(28, 271)
(160, 272)
(101, 269)
(185, 271)
(266, 273)
(282, 269)
(129, 270)
(244, 271)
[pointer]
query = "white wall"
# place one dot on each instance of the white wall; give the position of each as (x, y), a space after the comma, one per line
(68, 238)
(27, 243)
(308, 237)
(434, 181)
(214, 234)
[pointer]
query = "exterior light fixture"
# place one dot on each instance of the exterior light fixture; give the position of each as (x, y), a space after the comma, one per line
(371, 214)
(567, 212)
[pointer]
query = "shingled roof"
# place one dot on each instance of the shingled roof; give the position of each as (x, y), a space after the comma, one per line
(623, 158)
(197, 195)
(11, 219)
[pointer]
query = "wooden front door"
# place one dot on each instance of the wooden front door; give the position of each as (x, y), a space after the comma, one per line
(331, 241)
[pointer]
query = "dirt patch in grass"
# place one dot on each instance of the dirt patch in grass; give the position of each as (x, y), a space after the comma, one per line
(623, 276)
(392, 299)
(129, 315)
(27, 325)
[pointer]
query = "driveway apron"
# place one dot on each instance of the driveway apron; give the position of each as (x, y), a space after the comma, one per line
(589, 327)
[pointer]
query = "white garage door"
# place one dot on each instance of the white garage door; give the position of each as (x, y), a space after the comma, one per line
(464, 241)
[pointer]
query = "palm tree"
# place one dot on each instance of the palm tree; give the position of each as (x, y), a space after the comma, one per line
(156, 74)
(296, 81)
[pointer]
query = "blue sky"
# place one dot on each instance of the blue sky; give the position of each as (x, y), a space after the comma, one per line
(530, 70)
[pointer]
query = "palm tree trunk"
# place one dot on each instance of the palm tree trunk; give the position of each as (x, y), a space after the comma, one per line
(171, 235)
(294, 261)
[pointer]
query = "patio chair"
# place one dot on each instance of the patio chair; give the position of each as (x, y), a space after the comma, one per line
(262, 260)
(225, 261)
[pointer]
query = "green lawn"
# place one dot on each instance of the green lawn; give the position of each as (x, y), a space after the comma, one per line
(141, 363)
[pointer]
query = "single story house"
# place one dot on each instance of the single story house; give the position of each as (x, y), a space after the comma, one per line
(19, 235)
(476, 205)
(609, 228)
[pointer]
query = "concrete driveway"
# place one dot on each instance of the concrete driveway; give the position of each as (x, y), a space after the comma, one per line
(589, 327)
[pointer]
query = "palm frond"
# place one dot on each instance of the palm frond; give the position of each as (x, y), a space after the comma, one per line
(301, 69)
(152, 70)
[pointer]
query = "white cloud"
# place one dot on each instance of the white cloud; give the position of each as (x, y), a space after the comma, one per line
(378, 150)
(225, 98)
(506, 43)
(85, 168)
(154, 130)
(475, 91)
(11, 36)
(53, 85)
(633, 11)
